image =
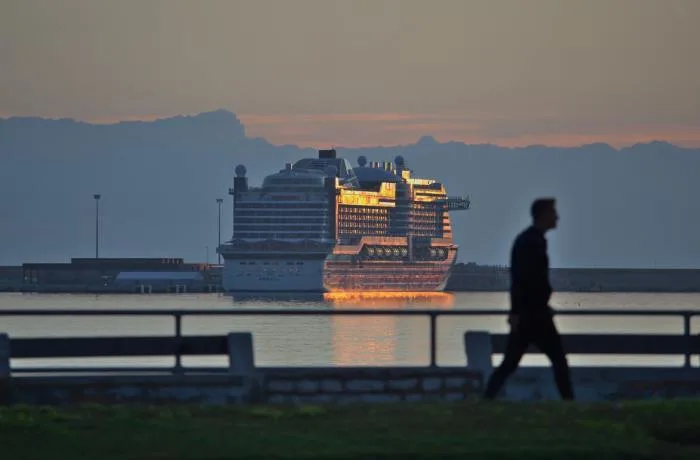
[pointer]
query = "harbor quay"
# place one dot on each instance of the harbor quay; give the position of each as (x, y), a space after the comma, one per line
(242, 381)
(174, 276)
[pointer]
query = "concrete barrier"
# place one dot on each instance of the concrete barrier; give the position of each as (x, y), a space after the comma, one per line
(478, 350)
(5, 369)
(241, 353)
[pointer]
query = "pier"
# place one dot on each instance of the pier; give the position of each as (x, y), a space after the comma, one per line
(243, 381)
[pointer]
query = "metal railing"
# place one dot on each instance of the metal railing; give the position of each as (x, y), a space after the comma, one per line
(431, 314)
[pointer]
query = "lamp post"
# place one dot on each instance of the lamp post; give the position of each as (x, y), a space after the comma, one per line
(97, 197)
(218, 202)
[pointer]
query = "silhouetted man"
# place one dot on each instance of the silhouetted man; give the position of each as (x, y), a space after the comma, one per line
(531, 318)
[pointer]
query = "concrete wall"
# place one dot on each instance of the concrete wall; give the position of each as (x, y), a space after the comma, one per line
(469, 278)
(372, 385)
(164, 389)
(347, 386)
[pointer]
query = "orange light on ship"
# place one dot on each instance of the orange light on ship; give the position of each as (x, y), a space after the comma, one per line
(389, 299)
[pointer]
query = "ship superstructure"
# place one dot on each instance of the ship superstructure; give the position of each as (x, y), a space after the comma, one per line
(321, 225)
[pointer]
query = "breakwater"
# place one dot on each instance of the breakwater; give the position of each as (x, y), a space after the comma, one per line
(72, 278)
(469, 277)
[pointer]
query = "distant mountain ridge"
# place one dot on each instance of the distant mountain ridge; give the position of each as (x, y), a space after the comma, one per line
(225, 119)
(633, 206)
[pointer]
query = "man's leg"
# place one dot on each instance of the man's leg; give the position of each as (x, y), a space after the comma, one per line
(549, 342)
(518, 341)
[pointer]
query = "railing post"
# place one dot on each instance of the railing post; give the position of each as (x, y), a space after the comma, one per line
(5, 370)
(178, 335)
(241, 354)
(433, 339)
(686, 331)
(479, 351)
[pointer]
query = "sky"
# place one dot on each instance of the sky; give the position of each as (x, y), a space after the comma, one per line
(365, 72)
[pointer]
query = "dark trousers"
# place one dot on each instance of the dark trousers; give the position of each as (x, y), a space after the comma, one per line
(542, 333)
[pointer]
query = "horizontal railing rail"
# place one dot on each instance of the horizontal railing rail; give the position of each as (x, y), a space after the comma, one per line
(84, 347)
(616, 344)
(682, 344)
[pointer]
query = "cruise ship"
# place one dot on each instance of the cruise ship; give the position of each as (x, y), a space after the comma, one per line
(322, 225)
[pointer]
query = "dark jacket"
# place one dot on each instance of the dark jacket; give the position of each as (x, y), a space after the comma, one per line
(529, 273)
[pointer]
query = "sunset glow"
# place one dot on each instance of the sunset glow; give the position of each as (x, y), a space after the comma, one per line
(366, 72)
(389, 129)
(356, 130)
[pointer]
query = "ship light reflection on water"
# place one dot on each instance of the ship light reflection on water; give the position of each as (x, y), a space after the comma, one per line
(389, 299)
(382, 340)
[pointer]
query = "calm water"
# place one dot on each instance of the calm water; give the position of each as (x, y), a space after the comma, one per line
(348, 341)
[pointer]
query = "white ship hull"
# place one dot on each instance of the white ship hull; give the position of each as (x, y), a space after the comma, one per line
(273, 275)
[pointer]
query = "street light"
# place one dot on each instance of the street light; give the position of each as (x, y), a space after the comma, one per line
(97, 197)
(218, 202)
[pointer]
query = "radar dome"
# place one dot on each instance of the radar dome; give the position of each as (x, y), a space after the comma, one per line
(331, 171)
(240, 171)
(400, 162)
(362, 161)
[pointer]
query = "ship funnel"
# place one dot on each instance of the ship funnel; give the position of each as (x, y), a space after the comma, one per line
(330, 153)
(331, 171)
(240, 182)
(288, 166)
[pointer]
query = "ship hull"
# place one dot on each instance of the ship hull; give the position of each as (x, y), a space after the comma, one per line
(309, 276)
(386, 277)
(273, 275)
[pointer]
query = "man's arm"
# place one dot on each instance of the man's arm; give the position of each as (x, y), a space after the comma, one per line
(519, 276)
(540, 289)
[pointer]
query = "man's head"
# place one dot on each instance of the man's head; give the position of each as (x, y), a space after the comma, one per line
(544, 213)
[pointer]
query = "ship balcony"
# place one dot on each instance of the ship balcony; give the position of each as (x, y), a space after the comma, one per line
(457, 203)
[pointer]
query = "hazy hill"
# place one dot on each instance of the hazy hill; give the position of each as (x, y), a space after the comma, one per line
(159, 180)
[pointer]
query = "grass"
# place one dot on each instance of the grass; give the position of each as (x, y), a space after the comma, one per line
(551, 430)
